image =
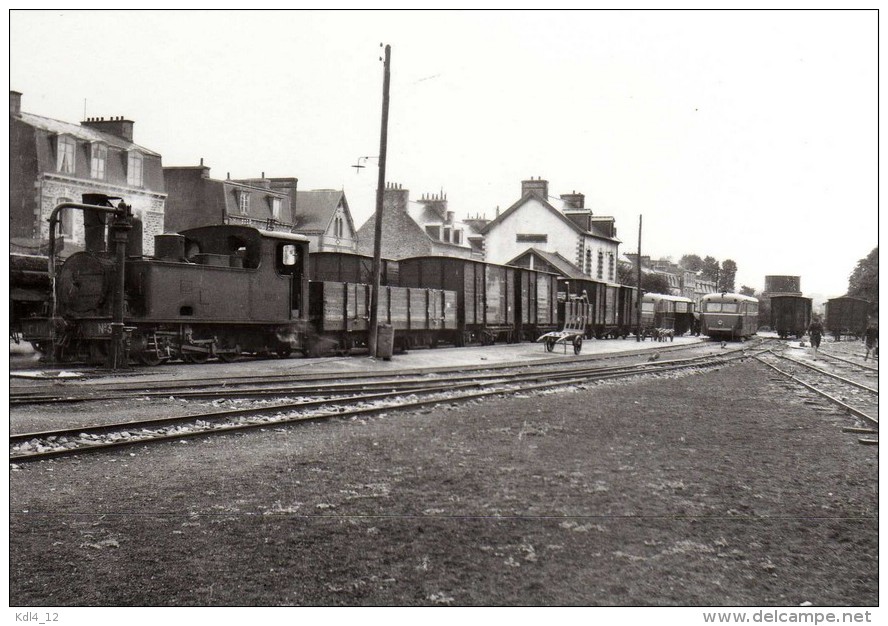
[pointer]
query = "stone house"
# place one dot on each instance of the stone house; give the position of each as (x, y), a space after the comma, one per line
(428, 228)
(52, 161)
(563, 226)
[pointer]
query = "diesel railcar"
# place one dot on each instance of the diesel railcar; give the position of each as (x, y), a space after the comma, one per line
(728, 316)
(790, 315)
(663, 311)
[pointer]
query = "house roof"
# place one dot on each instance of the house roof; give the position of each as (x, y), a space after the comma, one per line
(547, 205)
(82, 132)
(564, 267)
(315, 208)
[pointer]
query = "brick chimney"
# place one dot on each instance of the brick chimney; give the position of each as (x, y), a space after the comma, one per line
(435, 202)
(573, 200)
(538, 186)
(395, 198)
(15, 103)
(117, 126)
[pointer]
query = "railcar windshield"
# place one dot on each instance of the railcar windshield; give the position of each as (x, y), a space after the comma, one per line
(722, 307)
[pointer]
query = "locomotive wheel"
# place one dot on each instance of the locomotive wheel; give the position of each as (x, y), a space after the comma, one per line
(578, 345)
(195, 357)
(550, 344)
(150, 358)
(284, 351)
(230, 355)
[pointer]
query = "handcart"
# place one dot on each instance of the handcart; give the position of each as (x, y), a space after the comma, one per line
(572, 333)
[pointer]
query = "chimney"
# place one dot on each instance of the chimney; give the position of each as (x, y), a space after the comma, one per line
(537, 186)
(573, 200)
(117, 126)
(395, 198)
(15, 103)
(437, 203)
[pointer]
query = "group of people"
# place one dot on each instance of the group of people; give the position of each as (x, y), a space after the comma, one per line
(870, 337)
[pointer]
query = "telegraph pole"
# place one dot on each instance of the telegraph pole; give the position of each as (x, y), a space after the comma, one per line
(638, 302)
(380, 188)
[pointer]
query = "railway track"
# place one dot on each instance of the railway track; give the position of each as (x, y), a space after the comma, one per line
(73, 441)
(252, 386)
(857, 399)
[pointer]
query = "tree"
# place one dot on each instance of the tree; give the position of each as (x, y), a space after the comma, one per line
(710, 269)
(651, 282)
(864, 280)
(627, 274)
(747, 291)
(654, 283)
(727, 275)
(691, 262)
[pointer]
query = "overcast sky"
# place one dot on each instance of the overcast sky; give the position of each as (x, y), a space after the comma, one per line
(742, 135)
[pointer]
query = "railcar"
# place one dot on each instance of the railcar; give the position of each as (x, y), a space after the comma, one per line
(349, 267)
(847, 316)
(340, 315)
(29, 291)
(790, 315)
(628, 306)
(728, 316)
(536, 303)
(485, 295)
(663, 311)
(610, 305)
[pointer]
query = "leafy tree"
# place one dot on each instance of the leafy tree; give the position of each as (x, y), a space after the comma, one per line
(654, 283)
(627, 274)
(747, 291)
(691, 262)
(650, 282)
(710, 269)
(864, 280)
(727, 275)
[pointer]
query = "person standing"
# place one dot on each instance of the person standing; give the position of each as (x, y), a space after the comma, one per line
(815, 330)
(871, 338)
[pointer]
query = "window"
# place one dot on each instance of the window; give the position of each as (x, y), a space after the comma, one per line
(66, 219)
(134, 169)
(243, 201)
(288, 255)
(457, 237)
(531, 238)
(611, 270)
(589, 262)
(276, 208)
(600, 264)
(338, 227)
(446, 235)
(98, 156)
(65, 154)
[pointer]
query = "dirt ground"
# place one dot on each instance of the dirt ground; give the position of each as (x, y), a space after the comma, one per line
(715, 489)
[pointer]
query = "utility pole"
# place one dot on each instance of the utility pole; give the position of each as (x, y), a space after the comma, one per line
(638, 302)
(380, 189)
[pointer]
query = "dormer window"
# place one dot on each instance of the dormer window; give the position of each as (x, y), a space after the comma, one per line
(134, 169)
(98, 157)
(276, 208)
(65, 154)
(243, 201)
